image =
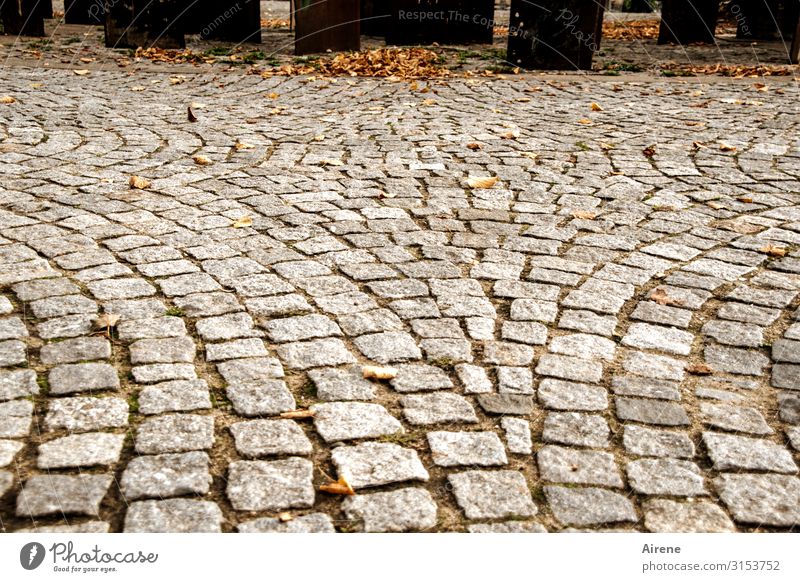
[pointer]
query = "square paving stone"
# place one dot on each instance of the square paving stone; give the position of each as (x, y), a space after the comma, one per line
(81, 450)
(474, 379)
(575, 428)
(120, 289)
(667, 516)
(735, 360)
(17, 384)
(67, 326)
(561, 395)
(587, 322)
(372, 321)
(563, 465)
(783, 376)
(506, 403)
(261, 438)
(75, 350)
(492, 494)
(657, 337)
(649, 411)
(422, 409)
(507, 354)
(518, 435)
(420, 377)
(12, 353)
(242, 348)
(654, 366)
(666, 477)
(187, 284)
(15, 418)
(173, 516)
(589, 506)
(738, 453)
(8, 450)
(735, 418)
(266, 397)
(302, 327)
(784, 350)
(654, 442)
(59, 306)
(166, 476)
(449, 350)
(514, 380)
(310, 523)
(71, 378)
(375, 464)
(338, 421)
(341, 384)
(151, 328)
(316, 353)
(270, 485)
(570, 368)
(174, 396)
(388, 347)
(162, 351)
(526, 332)
(761, 499)
(734, 333)
(62, 494)
(149, 373)
(646, 387)
(401, 510)
(452, 449)
(583, 345)
(12, 328)
(208, 304)
(250, 370)
(176, 433)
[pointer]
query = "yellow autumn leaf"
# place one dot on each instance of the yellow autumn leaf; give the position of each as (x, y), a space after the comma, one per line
(530, 155)
(481, 182)
(7, 99)
(584, 214)
(596, 107)
(340, 487)
(585, 121)
(273, 95)
(774, 251)
(138, 182)
(201, 160)
(242, 146)
(243, 221)
(725, 147)
(379, 372)
(513, 134)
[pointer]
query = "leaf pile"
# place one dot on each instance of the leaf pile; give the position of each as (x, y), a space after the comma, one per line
(631, 29)
(392, 63)
(735, 71)
(274, 23)
(172, 56)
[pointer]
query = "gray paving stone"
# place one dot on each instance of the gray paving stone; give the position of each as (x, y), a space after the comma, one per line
(667, 516)
(739, 453)
(9, 450)
(250, 370)
(474, 379)
(174, 396)
(575, 428)
(651, 411)
(270, 485)
(420, 377)
(401, 510)
(71, 378)
(166, 351)
(452, 449)
(645, 387)
(62, 494)
(761, 499)
(315, 353)
(12, 353)
(654, 442)
(665, 477)
(582, 345)
(310, 523)
(16, 417)
(589, 506)
(506, 403)
(260, 438)
(120, 289)
(518, 435)
(208, 304)
(492, 494)
(654, 366)
(94, 527)
(150, 373)
(151, 328)
(338, 421)
(173, 516)
(17, 384)
(514, 380)
(166, 476)
(441, 407)
(236, 349)
(735, 360)
(301, 327)
(735, 418)
(75, 350)
(570, 368)
(563, 465)
(341, 384)
(375, 464)
(265, 397)
(656, 337)
(388, 347)
(561, 395)
(176, 433)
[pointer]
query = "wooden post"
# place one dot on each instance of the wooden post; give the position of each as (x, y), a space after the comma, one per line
(764, 19)
(323, 25)
(687, 21)
(554, 34)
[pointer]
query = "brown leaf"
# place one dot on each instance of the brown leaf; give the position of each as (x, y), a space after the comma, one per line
(585, 121)
(697, 145)
(201, 160)
(190, 114)
(107, 320)
(138, 182)
(297, 414)
(243, 221)
(512, 134)
(242, 146)
(331, 162)
(649, 151)
(474, 146)
(481, 182)
(7, 100)
(340, 487)
(699, 369)
(81, 72)
(530, 155)
(379, 372)
(660, 296)
(596, 107)
(584, 214)
(273, 95)
(606, 146)
(774, 251)
(725, 147)
(285, 516)
(745, 199)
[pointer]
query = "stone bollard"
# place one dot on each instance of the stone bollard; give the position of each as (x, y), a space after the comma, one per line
(229, 20)
(686, 21)
(442, 21)
(84, 11)
(143, 23)
(327, 25)
(553, 34)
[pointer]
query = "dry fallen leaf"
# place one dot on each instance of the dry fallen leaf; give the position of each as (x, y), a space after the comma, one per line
(296, 414)
(745, 199)
(107, 320)
(699, 369)
(379, 372)
(201, 160)
(761, 87)
(660, 296)
(285, 516)
(726, 147)
(512, 134)
(474, 146)
(585, 121)
(81, 72)
(340, 487)
(530, 155)
(138, 182)
(191, 115)
(137, 89)
(243, 221)
(273, 95)
(596, 107)
(697, 145)
(774, 251)
(584, 214)
(606, 146)
(7, 99)
(649, 151)
(331, 162)
(428, 102)
(242, 146)
(481, 182)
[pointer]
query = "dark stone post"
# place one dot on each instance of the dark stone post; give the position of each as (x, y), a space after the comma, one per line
(84, 11)
(686, 21)
(794, 52)
(23, 17)
(327, 25)
(229, 20)
(764, 19)
(145, 23)
(443, 21)
(554, 34)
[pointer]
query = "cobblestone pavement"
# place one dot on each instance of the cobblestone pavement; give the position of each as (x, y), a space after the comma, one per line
(608, 337)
